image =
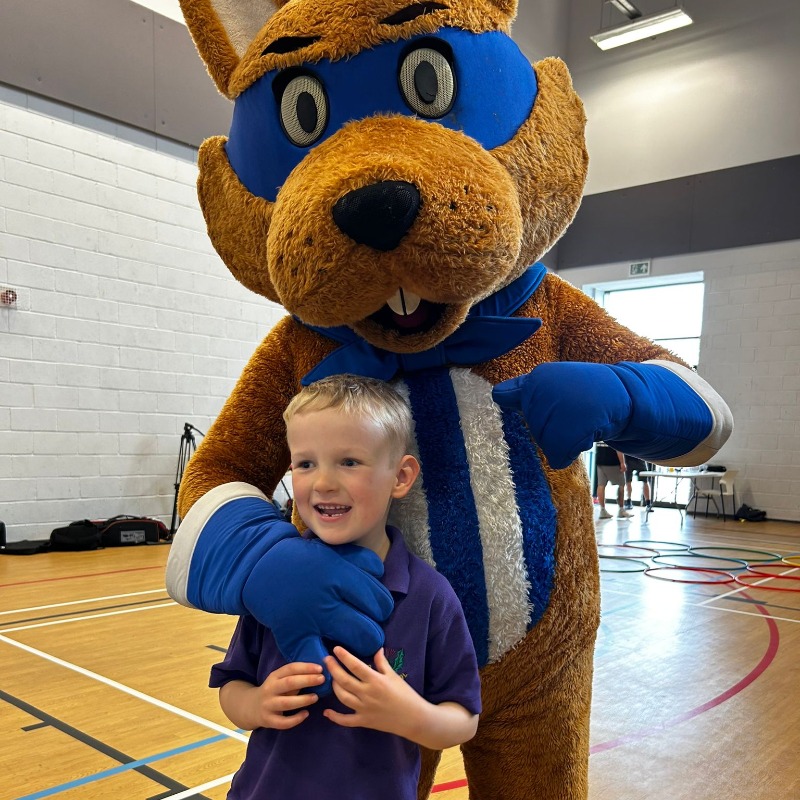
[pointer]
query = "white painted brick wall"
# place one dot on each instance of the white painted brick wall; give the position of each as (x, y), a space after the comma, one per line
(755, 364)
(116, 342)
(127, 324)
(750, 353)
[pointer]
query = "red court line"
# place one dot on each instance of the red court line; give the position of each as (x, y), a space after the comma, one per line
(754, 674)
(446, 787)
(84, 575)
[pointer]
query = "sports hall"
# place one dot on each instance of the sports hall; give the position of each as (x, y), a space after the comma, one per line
(124, 326)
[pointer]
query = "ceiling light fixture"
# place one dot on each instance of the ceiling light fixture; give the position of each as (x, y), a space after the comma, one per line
(627, 8)
(641, 27)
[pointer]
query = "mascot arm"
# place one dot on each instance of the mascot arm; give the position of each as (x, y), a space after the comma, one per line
(639, 398)
(659, 411)
(234, 553)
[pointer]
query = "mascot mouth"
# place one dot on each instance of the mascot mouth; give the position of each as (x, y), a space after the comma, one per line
(407, 313)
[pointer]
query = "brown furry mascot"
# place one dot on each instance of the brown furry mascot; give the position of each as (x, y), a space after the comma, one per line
(393, 173)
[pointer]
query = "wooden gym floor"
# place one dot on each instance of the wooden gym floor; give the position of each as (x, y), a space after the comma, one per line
(697, 689)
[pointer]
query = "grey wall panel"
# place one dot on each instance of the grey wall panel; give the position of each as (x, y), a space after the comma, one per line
(753, 204)
(88, 53)
(638, 223)
(113, 58)
(188, 106)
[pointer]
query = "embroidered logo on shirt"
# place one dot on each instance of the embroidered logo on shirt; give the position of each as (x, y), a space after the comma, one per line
(396, 659)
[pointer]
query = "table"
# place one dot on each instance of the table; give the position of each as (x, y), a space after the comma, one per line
(676, 474)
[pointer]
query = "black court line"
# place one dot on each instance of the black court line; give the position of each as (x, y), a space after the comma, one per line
(217, 647)
(87, 611)
(96, 744)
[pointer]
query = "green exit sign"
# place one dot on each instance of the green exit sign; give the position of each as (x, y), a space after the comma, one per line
(638, 268)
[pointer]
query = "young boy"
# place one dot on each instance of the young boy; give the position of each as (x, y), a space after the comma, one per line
(348, 438)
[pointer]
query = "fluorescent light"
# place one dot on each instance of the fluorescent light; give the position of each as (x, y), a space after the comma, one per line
(642, 28)
(627, 8)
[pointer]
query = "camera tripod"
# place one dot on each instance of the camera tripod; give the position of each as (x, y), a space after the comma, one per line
(187, 448)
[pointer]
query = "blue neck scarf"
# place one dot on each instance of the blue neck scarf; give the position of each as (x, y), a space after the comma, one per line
(488, 331)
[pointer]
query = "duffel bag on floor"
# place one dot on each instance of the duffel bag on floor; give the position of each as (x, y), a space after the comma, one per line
(126, 530)
(81, 535)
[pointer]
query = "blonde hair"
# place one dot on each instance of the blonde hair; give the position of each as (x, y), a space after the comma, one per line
(359, 397)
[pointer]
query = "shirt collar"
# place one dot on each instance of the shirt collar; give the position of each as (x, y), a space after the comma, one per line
(395, 565)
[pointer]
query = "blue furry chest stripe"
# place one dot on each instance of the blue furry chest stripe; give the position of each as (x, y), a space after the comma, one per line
(452, 515)
(461, 546)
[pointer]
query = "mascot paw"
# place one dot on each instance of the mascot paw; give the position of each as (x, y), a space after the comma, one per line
(318, 593)
(568, 406)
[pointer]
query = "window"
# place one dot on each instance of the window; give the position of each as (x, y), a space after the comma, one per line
(667, 310)
(669, 314)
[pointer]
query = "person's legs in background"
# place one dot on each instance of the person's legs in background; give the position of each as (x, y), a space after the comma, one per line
(601, 499)
(622, 512)
(647, 498)
(612, 475)
(636, 465)
(601, 495)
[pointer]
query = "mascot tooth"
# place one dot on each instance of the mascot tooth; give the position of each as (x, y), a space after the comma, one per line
(379, 144)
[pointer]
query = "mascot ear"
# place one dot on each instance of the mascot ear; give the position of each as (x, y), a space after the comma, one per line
(222, 31)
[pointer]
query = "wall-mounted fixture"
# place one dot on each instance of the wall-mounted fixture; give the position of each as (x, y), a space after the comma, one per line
(640, 27)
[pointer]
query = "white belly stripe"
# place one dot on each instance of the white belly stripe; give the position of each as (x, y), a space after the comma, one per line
(507, 583)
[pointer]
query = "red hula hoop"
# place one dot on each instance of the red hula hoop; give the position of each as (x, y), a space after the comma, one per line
(766, 588)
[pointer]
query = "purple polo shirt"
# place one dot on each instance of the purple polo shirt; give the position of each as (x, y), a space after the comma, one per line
(427, 642)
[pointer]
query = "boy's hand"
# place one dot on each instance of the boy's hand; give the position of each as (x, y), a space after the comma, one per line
(380, 698)
(280, 692)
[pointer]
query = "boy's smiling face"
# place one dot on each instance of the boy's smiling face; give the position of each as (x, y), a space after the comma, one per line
(345, 473)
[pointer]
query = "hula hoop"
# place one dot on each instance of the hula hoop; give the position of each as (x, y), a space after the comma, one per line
(675, 547)
(767, 588)
(737, 562)
(728, 577)
(772, 556)
(626, 560)
(626, 547)
(761, 567)
(788, 559)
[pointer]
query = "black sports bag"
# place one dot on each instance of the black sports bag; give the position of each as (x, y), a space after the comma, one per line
(81, 535)
(126, 530)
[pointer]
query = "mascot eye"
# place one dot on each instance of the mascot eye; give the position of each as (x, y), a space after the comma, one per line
(304, 110)
(428, 82)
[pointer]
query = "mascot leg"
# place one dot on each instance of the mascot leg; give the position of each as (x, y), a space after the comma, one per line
(430, 763)
(533, 738)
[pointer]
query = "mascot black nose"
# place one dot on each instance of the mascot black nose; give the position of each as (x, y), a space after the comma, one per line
(378, 215)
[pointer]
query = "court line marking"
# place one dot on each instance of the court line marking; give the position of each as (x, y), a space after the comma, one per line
(70, 613)
(199, 789)
(166, 783)
(766, 659)
(128, 766)
(80, 577)
(745, 588)
(753, 614)
(83, 619)
(704, 603)
(206, 723)
(80, 602)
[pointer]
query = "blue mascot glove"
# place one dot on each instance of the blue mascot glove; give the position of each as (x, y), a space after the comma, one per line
(640, 409)
(305, 591)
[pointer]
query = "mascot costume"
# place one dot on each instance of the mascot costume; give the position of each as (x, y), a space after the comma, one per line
(393, 173)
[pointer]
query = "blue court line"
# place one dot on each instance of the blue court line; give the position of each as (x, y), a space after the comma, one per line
(123, 768)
